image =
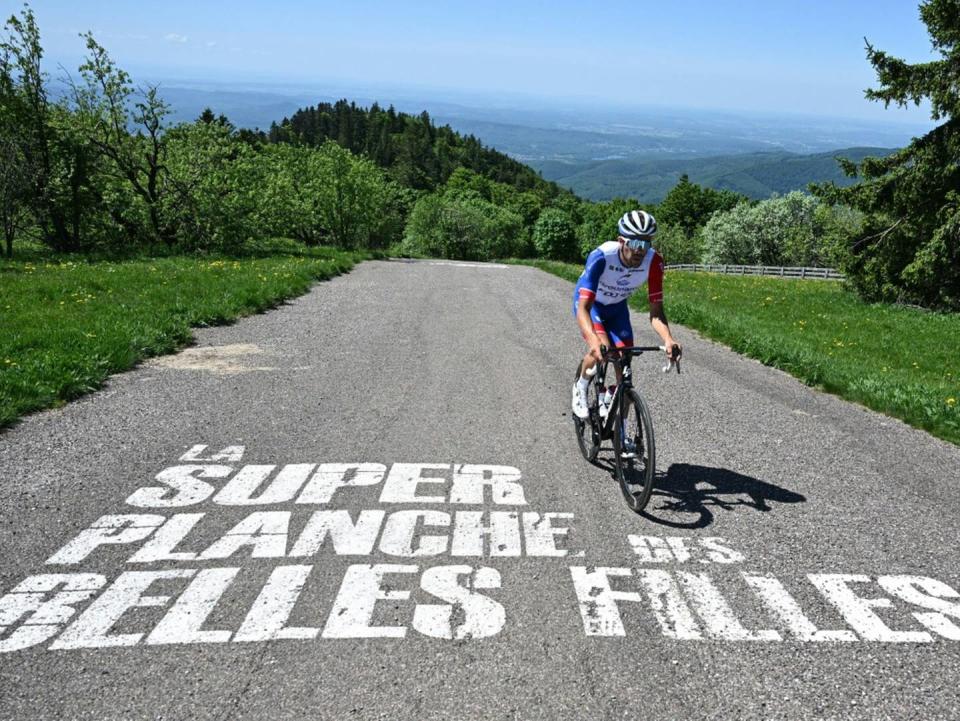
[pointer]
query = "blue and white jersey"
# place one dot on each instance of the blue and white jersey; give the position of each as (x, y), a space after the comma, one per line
(608, 281)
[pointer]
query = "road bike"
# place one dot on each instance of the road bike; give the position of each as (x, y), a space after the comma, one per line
(626, 423)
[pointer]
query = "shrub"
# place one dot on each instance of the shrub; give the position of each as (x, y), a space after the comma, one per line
(676, 246)
(462, 227)
(790, 230)
(555, 236)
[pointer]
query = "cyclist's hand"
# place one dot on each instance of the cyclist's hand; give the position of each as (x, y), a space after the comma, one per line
(595, 348)
(673, 350)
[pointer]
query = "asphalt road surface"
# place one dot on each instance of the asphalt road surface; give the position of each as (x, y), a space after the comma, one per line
(369, 503)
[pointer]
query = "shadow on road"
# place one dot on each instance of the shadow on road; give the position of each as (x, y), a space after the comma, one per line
(689, 489)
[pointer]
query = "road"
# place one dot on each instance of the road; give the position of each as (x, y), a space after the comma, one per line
(369, 504)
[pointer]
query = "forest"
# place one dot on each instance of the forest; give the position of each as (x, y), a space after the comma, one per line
(99, 171)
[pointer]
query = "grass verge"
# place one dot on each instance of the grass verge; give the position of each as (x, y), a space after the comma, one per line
(66, 325)
(900, 361)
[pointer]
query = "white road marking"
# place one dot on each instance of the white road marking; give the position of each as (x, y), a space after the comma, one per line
(347, 536)
(858, 611)
(241, 489)
(166, 538)
(499, 535)
(669, 606)
(45, 616)
(265, 532)
(362, 587)
(788, 611)
(185, 480)
(481, 616)
(718, 618)
(92, 627)
(230, 454)
(494, 266)
(183, 622)
(267, 619)
(401, 538)
(598, 601)
(87, 610)
(927, 593)
(107, 530)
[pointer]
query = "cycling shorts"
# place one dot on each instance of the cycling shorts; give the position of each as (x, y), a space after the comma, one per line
(613, 319)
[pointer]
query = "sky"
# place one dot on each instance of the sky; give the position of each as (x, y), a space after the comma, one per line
(744, 55)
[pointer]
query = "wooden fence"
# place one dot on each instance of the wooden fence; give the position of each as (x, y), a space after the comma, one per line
(818, 273)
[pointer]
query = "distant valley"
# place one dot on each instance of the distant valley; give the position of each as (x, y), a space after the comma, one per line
(756, 175)
(600, 153)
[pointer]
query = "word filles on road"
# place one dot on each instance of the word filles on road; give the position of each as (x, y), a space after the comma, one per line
(182, 604)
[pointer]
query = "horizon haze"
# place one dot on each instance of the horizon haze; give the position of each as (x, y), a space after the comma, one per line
(755, 57)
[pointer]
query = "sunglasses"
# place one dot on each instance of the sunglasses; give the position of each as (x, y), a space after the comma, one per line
(638, 243)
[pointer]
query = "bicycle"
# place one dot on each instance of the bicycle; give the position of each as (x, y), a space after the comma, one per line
(627, 425)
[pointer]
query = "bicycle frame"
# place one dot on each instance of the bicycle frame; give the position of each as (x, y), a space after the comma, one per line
(620, 357)
(625, 402)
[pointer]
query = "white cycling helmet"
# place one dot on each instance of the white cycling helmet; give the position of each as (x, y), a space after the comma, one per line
(638, 228)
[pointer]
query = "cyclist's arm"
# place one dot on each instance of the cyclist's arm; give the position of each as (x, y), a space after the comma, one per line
(658, 318)
(586, 323)
(588, 283)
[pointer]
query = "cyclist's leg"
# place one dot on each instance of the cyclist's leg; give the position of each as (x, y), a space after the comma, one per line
(595, 316)
(616, 321)
(580, 404)
(579, 399)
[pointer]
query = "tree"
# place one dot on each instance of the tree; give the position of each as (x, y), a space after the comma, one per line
(908, 247)
(354, 199)
(139, 159)
(15, 172)
(25, 105)
(675, 246)
(688, 206)
(14, 188)
(779, 231)
(600, 222)
(555, 235)
(462, 228)
(463, 180)
(213, 186)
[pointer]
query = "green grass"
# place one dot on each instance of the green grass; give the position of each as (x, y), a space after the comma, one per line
(65, 325)
(901, 361)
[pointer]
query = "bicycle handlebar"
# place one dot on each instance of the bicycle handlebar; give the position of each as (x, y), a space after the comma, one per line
(607, 354)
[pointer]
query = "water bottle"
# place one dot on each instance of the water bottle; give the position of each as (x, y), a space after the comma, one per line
(606, 400)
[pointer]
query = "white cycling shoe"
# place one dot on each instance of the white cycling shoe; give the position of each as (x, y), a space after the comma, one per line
(628, 448)
(579, 403)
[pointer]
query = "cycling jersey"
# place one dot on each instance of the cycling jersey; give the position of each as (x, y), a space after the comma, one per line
(609, 282)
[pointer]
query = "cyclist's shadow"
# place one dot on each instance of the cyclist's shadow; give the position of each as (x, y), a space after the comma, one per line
(689, 489)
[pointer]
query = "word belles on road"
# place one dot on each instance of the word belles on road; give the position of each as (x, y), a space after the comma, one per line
(215, 551)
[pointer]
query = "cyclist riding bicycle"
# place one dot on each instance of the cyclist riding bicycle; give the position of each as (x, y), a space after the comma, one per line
(613, 272)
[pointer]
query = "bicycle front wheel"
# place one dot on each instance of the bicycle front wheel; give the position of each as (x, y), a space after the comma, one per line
(634, 450)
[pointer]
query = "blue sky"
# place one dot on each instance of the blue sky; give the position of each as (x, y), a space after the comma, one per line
(774, 56)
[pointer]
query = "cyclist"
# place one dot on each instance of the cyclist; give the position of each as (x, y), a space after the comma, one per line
(613, 271)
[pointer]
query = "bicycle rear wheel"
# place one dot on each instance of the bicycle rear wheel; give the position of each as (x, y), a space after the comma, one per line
(634, 450)
(587, 436)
